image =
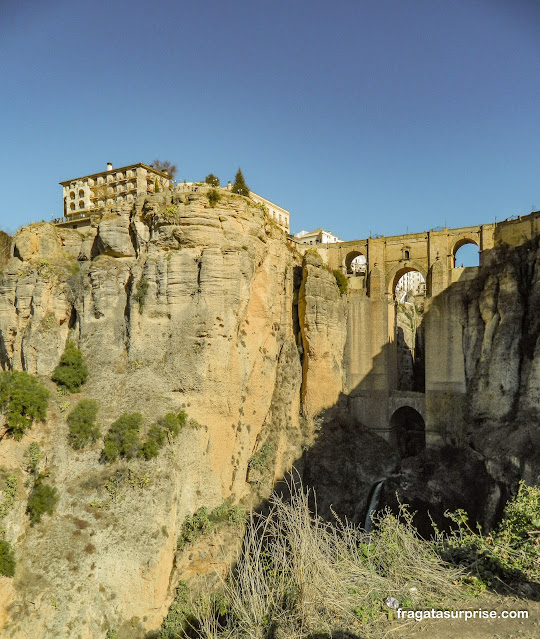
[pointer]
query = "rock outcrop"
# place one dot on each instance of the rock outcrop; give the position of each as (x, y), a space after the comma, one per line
(174, 304)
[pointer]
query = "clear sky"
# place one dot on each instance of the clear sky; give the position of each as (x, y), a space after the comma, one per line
(358, 116)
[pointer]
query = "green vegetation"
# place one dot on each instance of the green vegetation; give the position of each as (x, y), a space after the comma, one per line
(7, 559)
(341, 281)
(23, 399)
(167, 428)
(142, 291)
(202, 522)
(212, 180)
(214, 197)
(33, 458)
(156, 186)
(122, 440)
(112, 633)
(9, 488)
(259, 460)
(42, 500)
(71, 372)
(178, 616)
(169, 214)
(510, 553)
(82, 424)
(240, 187)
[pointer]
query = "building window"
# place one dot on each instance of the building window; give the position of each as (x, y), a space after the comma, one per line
(72, 206)
(81, 193)
(72, 195)
(81, 204)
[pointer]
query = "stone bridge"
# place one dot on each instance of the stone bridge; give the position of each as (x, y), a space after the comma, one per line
(432, 253)
(375, 393)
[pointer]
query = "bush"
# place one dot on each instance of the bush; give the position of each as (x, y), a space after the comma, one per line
(341, 281)
(212, 180)
(140, 294)
(122, 440)
(7, 559)
(82, 424)
(214, 197)
(71, 372)
(167, 427)
(510, 553)
(174, 624)
(23, 399)
(193, 527)
(172, 423)
(33, 457)
(155, 441)
(42, 500)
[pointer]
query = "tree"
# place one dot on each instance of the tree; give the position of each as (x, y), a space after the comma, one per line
(23, 399)
(71, 372)
(165, 167)
(240, 186)
(212, 180)
(82, 424)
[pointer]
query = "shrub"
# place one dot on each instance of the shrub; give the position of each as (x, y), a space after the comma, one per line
(33, 457)
(213, 197)
(193, 527)
(212, 180)
(71, 372)
(167, 427)
(122, 440)
(510, 552)
(260, 459)
(172, 423)
(82, 424)
(154, 442)
(156, 186)
(174, 624)
(9, 490)
(7, 559)
(42, 500)
(341, 281)
(23, 399)
(142, 291)
(240, 186)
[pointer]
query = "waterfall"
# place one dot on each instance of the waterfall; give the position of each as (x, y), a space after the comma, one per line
(368, 524)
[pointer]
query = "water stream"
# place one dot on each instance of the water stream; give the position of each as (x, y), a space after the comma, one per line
(368, 524)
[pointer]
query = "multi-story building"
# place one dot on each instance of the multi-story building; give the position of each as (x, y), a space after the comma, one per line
(318, 236)
(281, 216)
(95, 192)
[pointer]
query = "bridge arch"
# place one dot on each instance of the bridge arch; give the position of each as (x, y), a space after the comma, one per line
(350, 258)
(395, 274)
(460, 243)
(408, 431)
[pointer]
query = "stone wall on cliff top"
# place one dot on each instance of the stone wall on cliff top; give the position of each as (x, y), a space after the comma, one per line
(174, 303)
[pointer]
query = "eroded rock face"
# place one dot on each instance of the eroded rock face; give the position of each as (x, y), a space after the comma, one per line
(174, 304)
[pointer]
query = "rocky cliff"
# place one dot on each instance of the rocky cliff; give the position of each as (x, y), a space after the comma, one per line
(174, 304)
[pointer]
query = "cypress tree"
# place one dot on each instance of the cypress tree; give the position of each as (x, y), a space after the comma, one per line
(240, 186)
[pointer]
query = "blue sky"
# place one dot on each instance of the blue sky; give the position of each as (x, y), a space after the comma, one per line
(357, 116)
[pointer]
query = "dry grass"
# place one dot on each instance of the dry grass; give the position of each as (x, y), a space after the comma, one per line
(298, 575)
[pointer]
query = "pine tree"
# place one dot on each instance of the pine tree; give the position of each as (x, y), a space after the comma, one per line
(212, 180)
(240, 186)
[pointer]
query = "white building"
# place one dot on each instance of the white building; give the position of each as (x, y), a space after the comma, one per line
(411, 282)
(318, 236)
(281, 216)
(91, 193)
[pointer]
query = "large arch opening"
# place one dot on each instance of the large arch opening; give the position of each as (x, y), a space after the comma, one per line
(409, 292)
(466, 253)
(355, 263)
(408, 431)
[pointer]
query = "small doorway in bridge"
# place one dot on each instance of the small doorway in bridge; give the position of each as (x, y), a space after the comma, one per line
(355, 263)
(466, 254)
(409, 296)
(408, 431)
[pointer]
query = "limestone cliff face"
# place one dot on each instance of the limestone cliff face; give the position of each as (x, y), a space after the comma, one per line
(322, 314)
(174, 304)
